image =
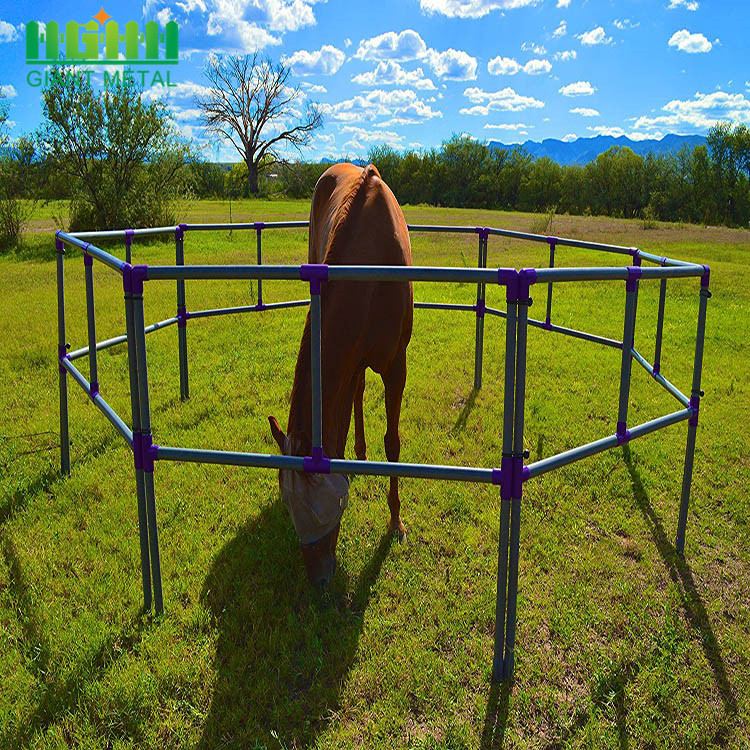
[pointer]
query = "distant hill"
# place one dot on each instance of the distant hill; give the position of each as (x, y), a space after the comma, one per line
(584, 150)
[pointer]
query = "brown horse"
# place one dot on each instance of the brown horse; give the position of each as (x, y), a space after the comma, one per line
(354, 220)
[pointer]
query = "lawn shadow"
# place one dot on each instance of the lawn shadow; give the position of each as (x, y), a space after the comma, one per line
(284, 650)
(495, 717)
(465, 411)
(680, 573)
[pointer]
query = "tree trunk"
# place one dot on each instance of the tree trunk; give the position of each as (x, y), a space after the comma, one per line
(252, 178)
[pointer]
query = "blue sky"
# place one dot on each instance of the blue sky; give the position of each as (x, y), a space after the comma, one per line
(413, 72)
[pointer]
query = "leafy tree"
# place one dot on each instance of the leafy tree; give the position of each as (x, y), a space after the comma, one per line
(250, 104)
(122, 155)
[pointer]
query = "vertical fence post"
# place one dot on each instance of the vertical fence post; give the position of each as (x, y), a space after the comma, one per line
(636, 263)
(182, 315)
(695, 399)
(660, 325)
(259, 230)
(315, 364)
(631, 288)
(480, 307)
(62, 348)
(135, 410)
(88, 263)
(129, 233)
(143, 446)
(506, 469)
(525, 276)
(552, 242)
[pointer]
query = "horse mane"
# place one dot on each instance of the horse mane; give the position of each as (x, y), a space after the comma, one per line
(345, 211)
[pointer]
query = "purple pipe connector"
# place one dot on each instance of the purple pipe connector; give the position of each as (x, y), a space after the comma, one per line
(706, 277)
(129, 234)
(179, 231)
(623, 433)
(144, 451)
(634, 273)
(517, 482)
(259, 225)
(93, 389)
(483, 232)
(695, 403)
(552, 241)
(133, 278)
(526, 277)
(480, 307)
(636, 253)
(62, 353)
(315, 273)
(506, 478)
(182, 316)
(317, 463)
(87, 259)
(516, 283)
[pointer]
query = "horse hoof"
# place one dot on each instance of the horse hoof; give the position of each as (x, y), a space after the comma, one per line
(400, 535)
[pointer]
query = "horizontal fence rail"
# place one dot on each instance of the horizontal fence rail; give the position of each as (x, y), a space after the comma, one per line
(512, 472)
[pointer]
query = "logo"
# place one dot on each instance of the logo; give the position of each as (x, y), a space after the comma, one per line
(83, 43)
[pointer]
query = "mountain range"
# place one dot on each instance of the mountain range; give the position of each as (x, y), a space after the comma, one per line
(584, 150)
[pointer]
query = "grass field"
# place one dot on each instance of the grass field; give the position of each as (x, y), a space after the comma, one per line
(621, 642)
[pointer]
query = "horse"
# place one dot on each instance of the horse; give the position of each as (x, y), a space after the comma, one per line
(354, 220)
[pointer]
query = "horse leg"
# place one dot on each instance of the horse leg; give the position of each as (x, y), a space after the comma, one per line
(360, 446)
(394, 380)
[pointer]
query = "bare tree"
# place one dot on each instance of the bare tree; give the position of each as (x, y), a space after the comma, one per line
(250, 104)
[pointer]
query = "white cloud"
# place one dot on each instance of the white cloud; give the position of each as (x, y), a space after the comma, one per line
(625, 23)
(561, 30)
(579, 88)
(406, 45)
(314, 88)
(181, 90)
(691, 43)
(537, 67)
(164, 16)
(537, 49)
(8, 32)
(470, 8)
(563, 3)
(415, 144)
(507, 126)
(347, 43)
(584, 112)
(325, 62)
(570, 137)
(402, 106)
(391, 137)
(505, 100)
(389, 72)
(701, 112)
(689, 4)
(508, 66)
(594, 36)
(181, 114)
(565, 55)
(617, 132)
(503, 66)
(8, 91)
(453, 65)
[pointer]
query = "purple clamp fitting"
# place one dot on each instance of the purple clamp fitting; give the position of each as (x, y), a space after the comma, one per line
(636, 253)
(259, 225)
(526, 277)
(623, 433)
(706, 277)
(88, 260)
(179, 231)
(133, 278)
(695, 402)
(315, 273)
(480, 307)
(506, 478)
(182, 316)
(62, 353)
(656, 368)
(634, 273)
(144, 451)
(552, 241)
(129, 234)
(59, 244)
(483, 232)
(93, 389)
(509, 278)
(517, 483)
(317, 463)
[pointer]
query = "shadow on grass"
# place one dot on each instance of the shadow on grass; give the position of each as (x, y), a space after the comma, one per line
(466, 411)
(496, 717)
(284, 650)
(680, 573)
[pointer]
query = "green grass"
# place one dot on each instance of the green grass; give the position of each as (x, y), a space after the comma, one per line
(621, 643)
